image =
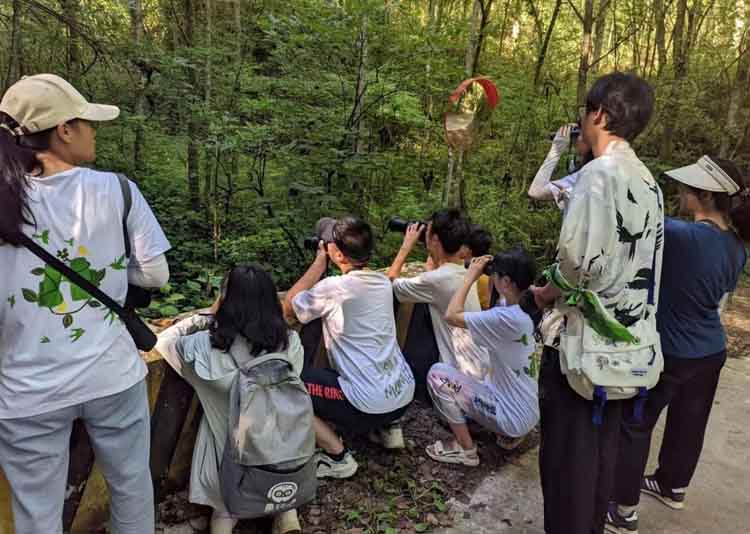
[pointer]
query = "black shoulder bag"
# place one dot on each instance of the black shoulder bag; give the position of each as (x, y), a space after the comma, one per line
(144, 337)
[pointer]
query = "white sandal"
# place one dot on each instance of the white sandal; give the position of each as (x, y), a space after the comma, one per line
(438, 452)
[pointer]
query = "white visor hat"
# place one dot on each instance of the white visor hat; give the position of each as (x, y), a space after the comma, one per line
(705, 175)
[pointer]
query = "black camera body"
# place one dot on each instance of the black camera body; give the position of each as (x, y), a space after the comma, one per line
(398, 224)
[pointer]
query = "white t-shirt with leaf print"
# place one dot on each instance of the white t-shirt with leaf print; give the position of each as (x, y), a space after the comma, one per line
(507, 333)
(58, 346)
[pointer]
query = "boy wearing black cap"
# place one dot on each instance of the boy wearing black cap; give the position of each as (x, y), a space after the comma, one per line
(369, 384)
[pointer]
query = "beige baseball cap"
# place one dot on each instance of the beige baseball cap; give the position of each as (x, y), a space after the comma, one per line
(43, 101)
(706, 174)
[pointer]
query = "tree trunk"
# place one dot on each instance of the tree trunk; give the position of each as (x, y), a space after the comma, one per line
(15, 63)
(680, 69)
(600, 29)
(358, 125)
(193, 148)
(545, 43)
(136, 31)
(480, 18)
(661, 47)
(585, 61)
(70, 9)
(740, 93)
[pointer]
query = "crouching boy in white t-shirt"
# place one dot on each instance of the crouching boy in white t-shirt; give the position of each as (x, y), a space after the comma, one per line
(505, 401)
(369, 385)
(446, 234)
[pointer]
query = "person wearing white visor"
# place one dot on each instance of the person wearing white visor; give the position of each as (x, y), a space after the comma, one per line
(703, 259)
(62, 357)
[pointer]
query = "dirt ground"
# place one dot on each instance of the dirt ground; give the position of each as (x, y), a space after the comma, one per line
(405, 492)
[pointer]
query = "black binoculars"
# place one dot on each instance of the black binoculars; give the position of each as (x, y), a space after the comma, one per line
(575, 133)
(323, 232)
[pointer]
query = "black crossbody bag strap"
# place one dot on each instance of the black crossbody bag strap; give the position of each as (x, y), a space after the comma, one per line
(127, 198)
(144, 338)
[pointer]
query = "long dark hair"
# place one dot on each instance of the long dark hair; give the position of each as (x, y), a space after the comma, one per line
(736, 208)
(250, 307)
(18, 159)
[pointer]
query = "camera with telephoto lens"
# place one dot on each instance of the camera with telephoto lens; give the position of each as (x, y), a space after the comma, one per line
(323, 232)
(397, 224)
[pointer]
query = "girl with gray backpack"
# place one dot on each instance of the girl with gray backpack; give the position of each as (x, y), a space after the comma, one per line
(253, 455)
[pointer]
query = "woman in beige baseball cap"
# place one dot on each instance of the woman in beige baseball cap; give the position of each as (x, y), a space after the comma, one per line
(704, 255)
(62, 356)
(46, 127)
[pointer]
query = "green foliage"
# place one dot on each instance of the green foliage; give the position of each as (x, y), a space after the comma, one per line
(284, 112)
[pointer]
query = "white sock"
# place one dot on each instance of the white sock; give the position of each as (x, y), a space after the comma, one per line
(679, 490)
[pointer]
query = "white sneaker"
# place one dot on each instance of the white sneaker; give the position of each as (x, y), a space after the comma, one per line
(390, 437)
(330, 468)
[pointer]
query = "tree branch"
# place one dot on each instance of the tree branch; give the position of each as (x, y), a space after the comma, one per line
(575, 10)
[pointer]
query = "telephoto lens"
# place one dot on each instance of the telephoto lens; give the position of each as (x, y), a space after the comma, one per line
(397, 224)
(323, 232)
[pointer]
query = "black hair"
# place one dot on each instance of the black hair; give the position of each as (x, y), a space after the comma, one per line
(735, 208)
(18, 159)
(516, 264)
(451, 228)
(628, 101)
(250, 307)
(355, 239)
(479, 241)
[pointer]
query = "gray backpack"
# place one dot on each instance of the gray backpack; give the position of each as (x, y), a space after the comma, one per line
(268, 464)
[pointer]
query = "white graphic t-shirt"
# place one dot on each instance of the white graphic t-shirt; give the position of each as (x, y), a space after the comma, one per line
(437, 288)
(508, 334)
(359, 331)
(58, 346)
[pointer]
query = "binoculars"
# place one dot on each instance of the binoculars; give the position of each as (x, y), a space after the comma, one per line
(575, 133)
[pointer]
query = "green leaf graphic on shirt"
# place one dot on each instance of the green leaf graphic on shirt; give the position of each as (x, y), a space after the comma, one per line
(50, 295)
(39, 271)
(67, 320)
(12, 301)
(83, 268)
(77, 333)
(44, 339)
(43, 237)
(118, 264)
(70, 242)
(29, 295)
(524, 340)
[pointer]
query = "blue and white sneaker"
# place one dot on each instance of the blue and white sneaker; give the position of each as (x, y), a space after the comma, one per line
(617, 524)
(674, 499)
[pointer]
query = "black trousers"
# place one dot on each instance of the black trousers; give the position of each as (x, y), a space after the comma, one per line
(576, 457)
(688, 387)
(420, 349)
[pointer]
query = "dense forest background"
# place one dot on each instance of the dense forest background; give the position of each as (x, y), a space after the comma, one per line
(243, 121)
